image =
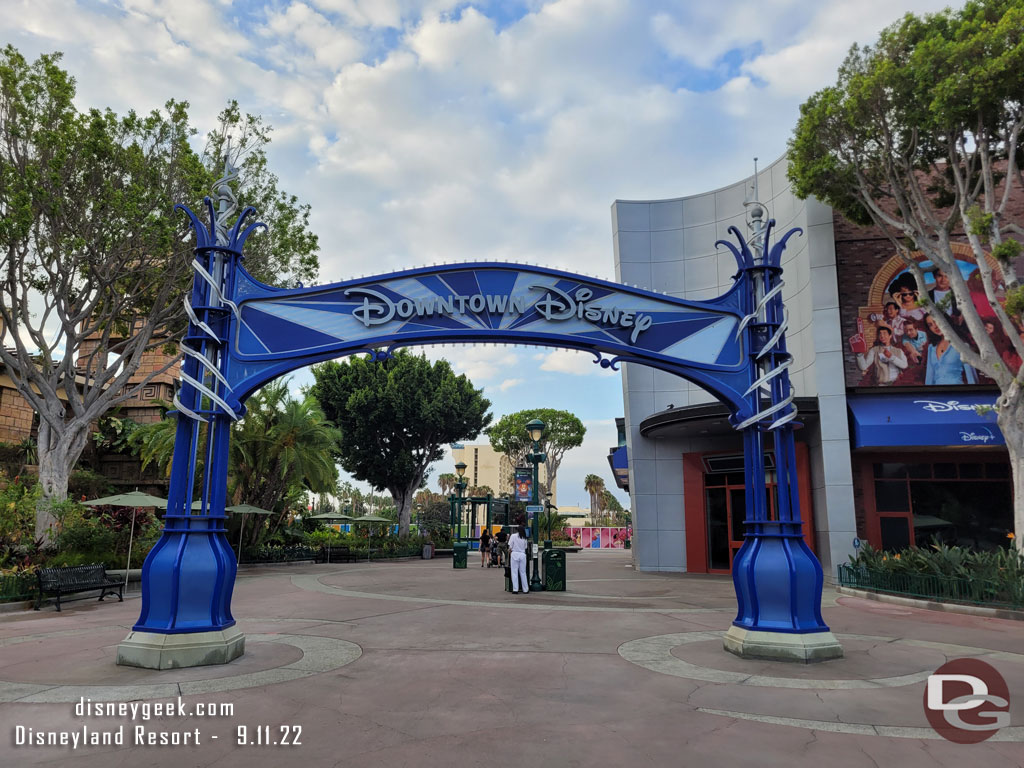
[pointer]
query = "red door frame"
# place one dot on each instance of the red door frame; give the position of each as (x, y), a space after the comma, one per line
(695, 514)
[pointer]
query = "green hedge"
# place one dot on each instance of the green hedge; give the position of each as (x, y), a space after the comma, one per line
(940, 572)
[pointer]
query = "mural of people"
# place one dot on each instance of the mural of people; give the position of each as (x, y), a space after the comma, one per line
(885, 360)
(944, 363)
(914, 345)
(897, 344)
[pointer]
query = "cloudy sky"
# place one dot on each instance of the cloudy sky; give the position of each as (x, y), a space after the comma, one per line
(436, 131)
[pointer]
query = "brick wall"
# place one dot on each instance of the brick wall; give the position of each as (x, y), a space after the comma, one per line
(15, 416)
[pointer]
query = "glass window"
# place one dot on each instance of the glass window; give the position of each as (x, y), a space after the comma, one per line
(895, 533)
(891, 496)
(712, 479)
(890, 469)
(945, 470)
(921, 471)
(997, 470)
(738, 502)
(970, 471)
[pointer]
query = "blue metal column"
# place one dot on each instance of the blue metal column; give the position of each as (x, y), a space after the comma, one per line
(189, 576)
(778, 579)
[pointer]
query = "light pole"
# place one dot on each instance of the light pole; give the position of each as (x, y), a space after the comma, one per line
(535, 428)
(460, 488)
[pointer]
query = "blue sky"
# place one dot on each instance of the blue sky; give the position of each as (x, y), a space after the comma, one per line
(434, 131)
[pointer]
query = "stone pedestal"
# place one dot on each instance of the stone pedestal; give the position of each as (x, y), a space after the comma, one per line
(155, 650)
(803, 647)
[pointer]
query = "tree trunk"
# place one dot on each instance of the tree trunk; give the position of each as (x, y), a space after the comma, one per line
(1011, 424)
(403, 503)
(57, 456)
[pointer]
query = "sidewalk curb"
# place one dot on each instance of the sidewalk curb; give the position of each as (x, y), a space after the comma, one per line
(933, 605)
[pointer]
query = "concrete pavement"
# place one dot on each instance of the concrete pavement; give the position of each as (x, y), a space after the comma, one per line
(412, 663)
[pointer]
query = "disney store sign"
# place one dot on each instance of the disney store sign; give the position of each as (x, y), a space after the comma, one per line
(938, 406)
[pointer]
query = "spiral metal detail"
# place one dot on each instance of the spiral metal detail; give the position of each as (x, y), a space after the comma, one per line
(772, 354)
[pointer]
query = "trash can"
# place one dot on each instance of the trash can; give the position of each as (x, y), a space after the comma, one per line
(628, 544)
(428, 551)
(554, 570)
(460, 551)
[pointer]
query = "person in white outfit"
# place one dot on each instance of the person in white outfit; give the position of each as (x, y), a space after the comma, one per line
(517, 545)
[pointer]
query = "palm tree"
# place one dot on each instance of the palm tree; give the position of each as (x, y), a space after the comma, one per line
(594, 485)
(282, 448)
(446, 482)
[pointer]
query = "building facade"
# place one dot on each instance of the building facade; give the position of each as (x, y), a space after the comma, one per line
(883, 456)
(486, 467)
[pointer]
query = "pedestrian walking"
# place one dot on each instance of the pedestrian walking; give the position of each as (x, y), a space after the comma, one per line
(485, 545)
(517, 545)
(502, 537)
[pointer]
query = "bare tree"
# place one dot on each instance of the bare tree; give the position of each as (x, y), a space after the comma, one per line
(93, 264)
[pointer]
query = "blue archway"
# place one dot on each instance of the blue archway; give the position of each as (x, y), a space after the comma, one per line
(243, 333)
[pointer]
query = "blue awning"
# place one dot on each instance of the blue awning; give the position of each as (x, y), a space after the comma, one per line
(924, 420)
(618, 460)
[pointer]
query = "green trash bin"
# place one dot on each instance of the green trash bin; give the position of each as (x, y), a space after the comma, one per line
(554, 570)
(460, 554)
(628, 544)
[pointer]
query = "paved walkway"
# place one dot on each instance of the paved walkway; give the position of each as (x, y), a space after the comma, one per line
(414, 664)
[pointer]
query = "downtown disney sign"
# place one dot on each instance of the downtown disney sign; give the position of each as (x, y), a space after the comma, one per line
(243, 334)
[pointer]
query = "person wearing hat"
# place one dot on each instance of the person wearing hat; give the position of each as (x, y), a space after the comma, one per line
(885, 360)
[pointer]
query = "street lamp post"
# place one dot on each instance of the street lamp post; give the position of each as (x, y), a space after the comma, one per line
(460, 488)
(535, 428)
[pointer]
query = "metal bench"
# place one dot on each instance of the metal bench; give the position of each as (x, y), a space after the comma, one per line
(76, 578)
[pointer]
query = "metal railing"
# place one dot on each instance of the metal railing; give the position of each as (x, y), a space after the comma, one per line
(15, 587)
(974, 591)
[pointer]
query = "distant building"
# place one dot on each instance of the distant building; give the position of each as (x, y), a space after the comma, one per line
(485, 466)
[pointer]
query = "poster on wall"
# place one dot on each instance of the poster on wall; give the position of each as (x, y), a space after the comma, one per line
(524, 483)
(895, 341)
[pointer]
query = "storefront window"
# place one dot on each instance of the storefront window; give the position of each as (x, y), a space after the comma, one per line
(965, 503)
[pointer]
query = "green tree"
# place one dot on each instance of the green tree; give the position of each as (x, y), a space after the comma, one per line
(594, 485)
(396, 417)
(609, 503)
(92, 260)
(920, 137)
(446, 483)
(562, 432)
(281, 450)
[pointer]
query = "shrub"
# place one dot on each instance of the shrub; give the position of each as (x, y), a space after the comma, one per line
(18, 520)
(85, 484)
(991, 575)
(101, 535)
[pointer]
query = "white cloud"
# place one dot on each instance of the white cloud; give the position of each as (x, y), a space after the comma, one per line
(507, 384)
(484, 365)
(572, 362)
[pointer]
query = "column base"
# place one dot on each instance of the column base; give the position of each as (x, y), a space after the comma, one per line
(804, 647)
(155, 650)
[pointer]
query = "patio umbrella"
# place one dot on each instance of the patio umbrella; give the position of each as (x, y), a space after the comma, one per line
(134, 499)
(371, 519)
(331, 516)
(245, 509)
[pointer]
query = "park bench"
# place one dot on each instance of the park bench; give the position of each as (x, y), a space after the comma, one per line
(335, 554)
(76, 578)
